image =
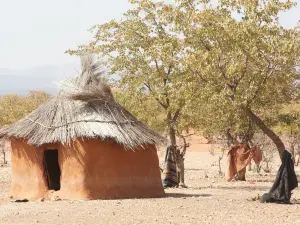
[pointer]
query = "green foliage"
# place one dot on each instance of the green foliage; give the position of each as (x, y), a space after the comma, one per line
(14, 107)
(143, 107)
(244, 56)
(250, 60)
(147, 53)
(288, 118)
(200, 62)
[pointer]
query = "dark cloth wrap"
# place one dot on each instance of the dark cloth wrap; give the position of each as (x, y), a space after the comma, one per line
(285, 182)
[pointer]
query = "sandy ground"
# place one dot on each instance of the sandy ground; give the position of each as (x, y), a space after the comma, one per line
(207, 200)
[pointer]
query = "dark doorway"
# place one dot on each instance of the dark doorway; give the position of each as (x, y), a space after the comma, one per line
(52, 170)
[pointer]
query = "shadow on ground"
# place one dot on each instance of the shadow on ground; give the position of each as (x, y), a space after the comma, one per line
(194, 169)
(261, 180)
(182, 195)
(246, 188)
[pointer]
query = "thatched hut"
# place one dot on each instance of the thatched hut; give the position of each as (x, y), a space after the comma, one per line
(82, 144)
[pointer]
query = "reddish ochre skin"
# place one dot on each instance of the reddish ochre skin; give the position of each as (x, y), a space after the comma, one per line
(90, 169)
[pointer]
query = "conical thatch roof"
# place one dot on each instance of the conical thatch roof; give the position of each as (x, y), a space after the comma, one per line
(84, 108)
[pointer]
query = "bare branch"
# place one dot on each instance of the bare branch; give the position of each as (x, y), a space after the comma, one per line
(185, 144)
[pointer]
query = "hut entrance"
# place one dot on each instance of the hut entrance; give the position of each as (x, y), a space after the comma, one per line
(52, 170)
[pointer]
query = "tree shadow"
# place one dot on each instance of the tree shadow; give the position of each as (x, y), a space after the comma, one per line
(270, 178)
(193, 169)
(261, 180)
(295, 201)
(182, 195)
(246, 188)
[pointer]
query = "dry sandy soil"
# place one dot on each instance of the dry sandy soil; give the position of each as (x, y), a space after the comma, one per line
(207, 200)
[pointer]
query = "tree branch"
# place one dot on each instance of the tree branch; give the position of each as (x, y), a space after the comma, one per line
(207, 47)
(232, 87)
(176, 115)
(164, 105)
(230, 139)
(166, 77)
(185, 144)
(267, 76)
(237, 82)
(258, 121)
(199, 75)
(156, 65)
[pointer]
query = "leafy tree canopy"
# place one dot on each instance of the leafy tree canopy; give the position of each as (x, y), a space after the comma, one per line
(206, 65)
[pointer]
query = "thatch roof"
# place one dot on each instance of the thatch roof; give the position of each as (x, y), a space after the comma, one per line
(84, 108)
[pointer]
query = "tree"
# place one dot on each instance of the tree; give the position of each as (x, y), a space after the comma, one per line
(247, 59)
(3, 152)
(143, 107)
(11, 109)
(14, 107)
(288, 124)
(147, 54)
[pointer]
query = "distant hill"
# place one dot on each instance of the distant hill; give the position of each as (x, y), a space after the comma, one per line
(43, 78)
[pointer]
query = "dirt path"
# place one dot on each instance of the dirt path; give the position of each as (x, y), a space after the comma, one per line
(208, 200)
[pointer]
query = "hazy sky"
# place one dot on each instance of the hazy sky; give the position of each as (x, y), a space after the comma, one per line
(37, 32)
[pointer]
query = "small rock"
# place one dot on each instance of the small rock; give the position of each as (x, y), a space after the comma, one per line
(55, 198)
(41, 199)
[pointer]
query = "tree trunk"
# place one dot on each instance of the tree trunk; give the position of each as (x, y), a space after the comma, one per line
(292, 149)
(180, 170)
(267, 131)
(241, 175)
(4, 157)
(178, 157)
(297, 162)
(230, 139)
(3, 152)
(172, 136)
(250, 167)
(220, 158)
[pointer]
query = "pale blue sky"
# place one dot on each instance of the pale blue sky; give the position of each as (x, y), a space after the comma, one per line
(37, 32)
